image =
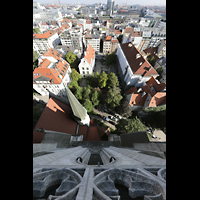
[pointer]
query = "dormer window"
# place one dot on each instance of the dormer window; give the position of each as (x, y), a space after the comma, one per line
(138, 55)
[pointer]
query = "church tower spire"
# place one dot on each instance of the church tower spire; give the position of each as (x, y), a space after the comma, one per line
(78, 110)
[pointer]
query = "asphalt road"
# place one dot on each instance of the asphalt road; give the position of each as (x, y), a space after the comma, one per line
(102, 120)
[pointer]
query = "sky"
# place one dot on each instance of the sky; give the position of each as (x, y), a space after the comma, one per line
(119, 2)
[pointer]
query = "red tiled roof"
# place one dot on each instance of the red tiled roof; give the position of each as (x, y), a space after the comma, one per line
(56, 117)
(158, 99)
(137, 99)
(114, 40)
(108, 38)
(53, 73)
(53, 53)
(89, 53)
(118, 32)
(44, 35)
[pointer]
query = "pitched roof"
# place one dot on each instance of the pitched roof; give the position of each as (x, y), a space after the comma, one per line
(53, 53)
(54, 73)
(128, 30)
(89, 53)
(56, 117)
(158, 99)
(137, 62)
(108, 38)
(131, 90)
(114, 40)
(153, 89)
(44, 35)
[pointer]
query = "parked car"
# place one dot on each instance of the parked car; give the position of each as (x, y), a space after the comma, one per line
(104, 109)
(110, 117)
(113, 123)
(117, 116)
(105, 118)
(113, 118)
(111, 112)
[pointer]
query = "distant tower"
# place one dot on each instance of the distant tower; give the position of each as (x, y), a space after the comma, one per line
(110, 6)
(78, 110)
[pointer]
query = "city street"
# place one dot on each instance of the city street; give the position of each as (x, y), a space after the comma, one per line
(101, 120)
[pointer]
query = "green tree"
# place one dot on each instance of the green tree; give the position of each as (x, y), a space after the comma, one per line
(103, 79)
(111, 58)
(78, 93)
(73, 85)
(124, 109)
(75, 75)
(134, 125)
(129, 126)
(35, 59)
(95, 98)
(120, 38)
(113, 97)
(88, 105)
(112, 80)
(86, 93)
(72, 59)
(151, 60)
(36, 30)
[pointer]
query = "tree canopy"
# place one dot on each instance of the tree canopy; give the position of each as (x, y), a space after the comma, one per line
(129, 126)
(88, 105)
(113, 97)
(72, 59)
(112, 80)
(103, 79)
(111, 58)
(124, 109)
(35, 59)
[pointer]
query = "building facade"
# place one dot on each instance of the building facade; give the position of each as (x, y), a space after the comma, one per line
(135, 69)
(45, 41)
(93, 40)
(110, 44)
(110, 7)
(86, 65)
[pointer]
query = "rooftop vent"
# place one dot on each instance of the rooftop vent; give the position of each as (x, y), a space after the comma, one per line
(130, 45)
(138, 55)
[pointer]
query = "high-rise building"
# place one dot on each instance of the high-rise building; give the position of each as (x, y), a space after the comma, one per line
(110, 7)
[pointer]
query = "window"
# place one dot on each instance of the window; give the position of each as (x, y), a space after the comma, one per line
(87, 68)
(83, 72)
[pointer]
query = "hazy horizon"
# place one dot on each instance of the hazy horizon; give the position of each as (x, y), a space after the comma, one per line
(119, 2)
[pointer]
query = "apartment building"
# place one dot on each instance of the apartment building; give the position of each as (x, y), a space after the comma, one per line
(110, 44)
(73, 37)
(43, 42)
(93, 40)
(53, 71)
